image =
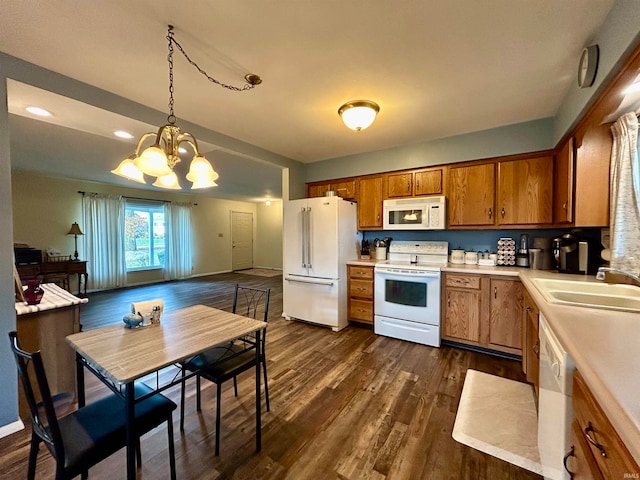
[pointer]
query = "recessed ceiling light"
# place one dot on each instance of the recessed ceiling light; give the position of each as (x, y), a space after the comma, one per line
(122, 134)
(38, 111)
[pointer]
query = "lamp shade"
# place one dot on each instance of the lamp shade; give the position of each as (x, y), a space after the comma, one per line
(128, 169)
(75, 229)
(359, 114)
(153, 161)
(168, 181)
(200, 170)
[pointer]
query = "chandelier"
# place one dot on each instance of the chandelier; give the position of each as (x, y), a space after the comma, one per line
(159, 159)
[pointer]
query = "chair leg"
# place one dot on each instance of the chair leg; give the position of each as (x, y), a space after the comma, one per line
(266, 384)
(33, 455)
(138, 453)
(235, 386)
(218, 398)
(172, 451)
(198, 402)
(182, 388)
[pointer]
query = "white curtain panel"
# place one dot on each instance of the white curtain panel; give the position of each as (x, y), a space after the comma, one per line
(625, 195)
(178, 249)
(104, 240)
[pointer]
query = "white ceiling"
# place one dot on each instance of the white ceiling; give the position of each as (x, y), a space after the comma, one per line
(436, 69)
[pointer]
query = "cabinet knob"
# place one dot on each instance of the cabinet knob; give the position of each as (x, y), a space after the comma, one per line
(448, 300)
(418, 184)
(490, 212)
(408, 187)
(503, 212)
(536, 348)
(564, 206)
(495, 292)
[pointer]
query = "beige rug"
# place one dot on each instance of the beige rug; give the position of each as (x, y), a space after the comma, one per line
(498, 416)
(261, 272)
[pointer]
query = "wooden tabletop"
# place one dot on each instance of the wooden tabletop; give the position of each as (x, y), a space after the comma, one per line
(123, 354)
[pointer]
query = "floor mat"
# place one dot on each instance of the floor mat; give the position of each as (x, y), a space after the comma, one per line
(498, 416)
(261, 272)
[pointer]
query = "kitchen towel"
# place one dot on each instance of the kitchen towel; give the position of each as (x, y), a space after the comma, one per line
(498, 416)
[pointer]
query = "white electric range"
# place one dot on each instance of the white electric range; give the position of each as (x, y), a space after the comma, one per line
(407, 291)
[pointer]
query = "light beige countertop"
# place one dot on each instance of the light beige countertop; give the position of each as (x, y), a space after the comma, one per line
(54, 297)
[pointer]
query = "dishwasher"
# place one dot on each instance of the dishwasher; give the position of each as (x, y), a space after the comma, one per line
(555, 410)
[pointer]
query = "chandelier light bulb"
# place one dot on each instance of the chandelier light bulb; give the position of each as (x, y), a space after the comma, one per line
(153, 161)
(359, 114)
(167, 181)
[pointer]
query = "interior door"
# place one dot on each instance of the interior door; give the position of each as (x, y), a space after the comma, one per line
(241, 240)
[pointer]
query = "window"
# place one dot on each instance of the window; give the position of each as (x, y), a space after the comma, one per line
(144, 239)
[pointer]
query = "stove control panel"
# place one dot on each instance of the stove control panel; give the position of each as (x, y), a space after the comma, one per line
(419, 247)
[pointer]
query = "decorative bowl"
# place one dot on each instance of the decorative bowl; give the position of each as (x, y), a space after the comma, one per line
(132, 320)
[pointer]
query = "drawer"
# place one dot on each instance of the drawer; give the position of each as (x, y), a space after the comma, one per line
(360, 272)
(463, 281)
(595, 428)
(361, 288)
(361, 310)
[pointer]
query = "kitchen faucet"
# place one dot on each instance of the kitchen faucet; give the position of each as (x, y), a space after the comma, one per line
(601, 274)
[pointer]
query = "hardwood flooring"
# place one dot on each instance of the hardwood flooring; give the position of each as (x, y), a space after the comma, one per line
(347, 405)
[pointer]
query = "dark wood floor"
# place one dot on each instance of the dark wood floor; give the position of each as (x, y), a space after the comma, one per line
(348, 405)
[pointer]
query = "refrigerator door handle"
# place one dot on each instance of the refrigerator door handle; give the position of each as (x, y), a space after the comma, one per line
(309, 238)
(315, 281)
(304, 236)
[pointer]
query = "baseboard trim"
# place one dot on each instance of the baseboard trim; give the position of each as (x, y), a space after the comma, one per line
(14, 427)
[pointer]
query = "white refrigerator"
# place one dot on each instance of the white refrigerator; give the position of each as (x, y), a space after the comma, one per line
(319, 237)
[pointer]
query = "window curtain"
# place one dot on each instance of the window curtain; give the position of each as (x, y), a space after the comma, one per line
(625, 195)
(104, 240)
(178, 250)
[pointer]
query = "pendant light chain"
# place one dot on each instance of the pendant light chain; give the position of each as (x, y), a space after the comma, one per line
(171, 119)
(252, 79)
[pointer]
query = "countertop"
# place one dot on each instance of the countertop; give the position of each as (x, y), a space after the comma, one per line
(54, 297)
(604, 344)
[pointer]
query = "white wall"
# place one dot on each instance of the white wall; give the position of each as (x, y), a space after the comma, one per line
(269, 242)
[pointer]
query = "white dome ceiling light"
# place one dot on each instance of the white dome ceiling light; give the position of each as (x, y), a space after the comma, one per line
(358, 114)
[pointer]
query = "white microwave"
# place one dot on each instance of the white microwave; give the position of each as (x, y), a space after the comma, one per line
(427, 213)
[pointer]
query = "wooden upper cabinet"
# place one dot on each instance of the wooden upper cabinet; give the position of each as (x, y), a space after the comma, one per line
(317, 189)
(370, 202)
(593, 158)
(428, 182)
(471, 193)
(525, 191)
(413, 183)
(563, 183)
(346, 188)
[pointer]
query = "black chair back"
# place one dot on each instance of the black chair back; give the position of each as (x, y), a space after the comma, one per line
(254, 303)
(38, 396)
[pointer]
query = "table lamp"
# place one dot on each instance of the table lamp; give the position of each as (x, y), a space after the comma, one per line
(75, 231)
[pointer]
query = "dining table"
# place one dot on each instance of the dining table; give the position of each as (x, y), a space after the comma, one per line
(119, 356)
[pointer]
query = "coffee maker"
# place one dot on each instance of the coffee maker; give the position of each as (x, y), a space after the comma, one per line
(571, 253)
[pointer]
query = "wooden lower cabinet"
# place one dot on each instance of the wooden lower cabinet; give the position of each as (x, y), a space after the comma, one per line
(598, 451)
(531, 341)
(483, 311)
(360, 302)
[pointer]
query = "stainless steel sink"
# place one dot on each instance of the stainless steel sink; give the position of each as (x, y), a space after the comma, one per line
(590, 294)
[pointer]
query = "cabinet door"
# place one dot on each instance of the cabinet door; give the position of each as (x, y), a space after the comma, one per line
(427, 182)
(370, 202)
(346, 189)
(471, 195)
(317, 190)
(525, 189)
(505, 324)
(399, 184)
(462, 314)
(592, 178)
(563, 183)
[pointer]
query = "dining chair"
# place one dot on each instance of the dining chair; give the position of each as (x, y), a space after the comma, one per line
(55, 269)
(223, 363)
(85, 437)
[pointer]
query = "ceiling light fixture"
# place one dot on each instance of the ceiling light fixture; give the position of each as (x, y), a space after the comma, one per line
(358, 114)
(163, 155)
(39, 111)
(122, 134)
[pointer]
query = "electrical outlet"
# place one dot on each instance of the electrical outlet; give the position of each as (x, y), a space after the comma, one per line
(221, 235)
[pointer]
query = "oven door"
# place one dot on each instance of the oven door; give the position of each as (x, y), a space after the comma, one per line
(408, 296)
